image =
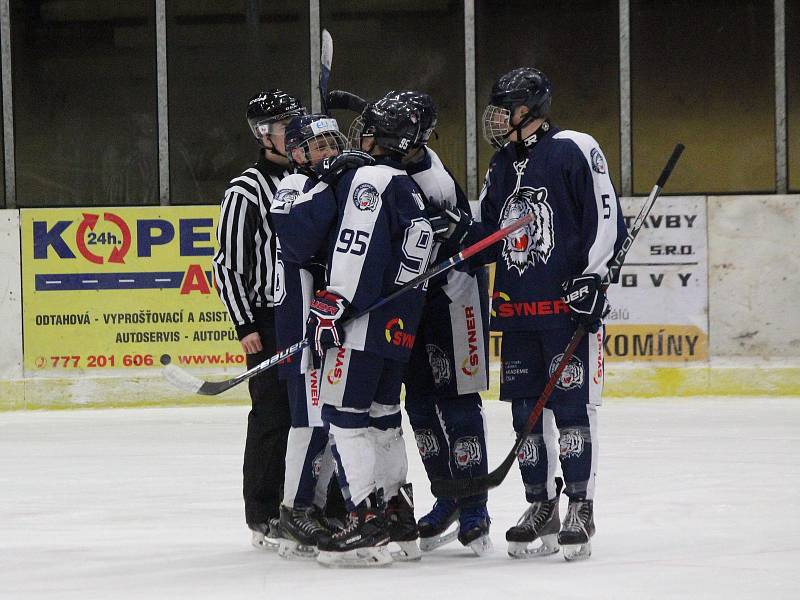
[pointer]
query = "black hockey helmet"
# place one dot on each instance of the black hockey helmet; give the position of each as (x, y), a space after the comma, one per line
(268, 108)
(427, 110)
(395, 124)
(318, 136)
(524, 86)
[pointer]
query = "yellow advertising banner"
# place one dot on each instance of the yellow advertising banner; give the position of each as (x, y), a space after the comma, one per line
(119, 288)
(660, 305)
(641, 343)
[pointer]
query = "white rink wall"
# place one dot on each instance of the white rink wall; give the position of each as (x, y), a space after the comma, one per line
(753, 325)
(754, 276)
(10, 296)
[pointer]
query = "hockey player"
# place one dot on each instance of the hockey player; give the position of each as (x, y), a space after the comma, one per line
(448, 365)
(382, 240)
(243, 272)
(546, 283)
(303, 211)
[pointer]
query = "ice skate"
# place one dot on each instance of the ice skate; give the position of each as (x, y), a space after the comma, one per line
(362, 543)
(577, 530)
(473, 530)
(265, 536)
(300, 531)
(539, 522)
(433, 527)
(403, 530)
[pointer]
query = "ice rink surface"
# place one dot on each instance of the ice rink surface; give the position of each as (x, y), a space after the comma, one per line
(697, 498)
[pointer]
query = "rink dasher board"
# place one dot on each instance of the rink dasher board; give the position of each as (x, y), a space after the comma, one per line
(149, 389)
(10, 296)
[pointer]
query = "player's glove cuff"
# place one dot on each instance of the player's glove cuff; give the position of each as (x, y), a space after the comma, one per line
(451, 224)
(325, 317)
(331, 169)
(586, 298)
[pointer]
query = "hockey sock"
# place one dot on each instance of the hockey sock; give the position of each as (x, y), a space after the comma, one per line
(578, 450)
(391, 462)
(354, 452)
(325, 478)
(537, 457)
(431, 441)
(462, 417)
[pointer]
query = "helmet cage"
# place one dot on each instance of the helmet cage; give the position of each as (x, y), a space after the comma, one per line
(355, 131)
(496, 125)
(427, 133)
(318, 139)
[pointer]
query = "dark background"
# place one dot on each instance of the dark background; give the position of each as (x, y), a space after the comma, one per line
(85, 96)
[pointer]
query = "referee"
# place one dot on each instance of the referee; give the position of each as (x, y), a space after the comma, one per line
(243, 270)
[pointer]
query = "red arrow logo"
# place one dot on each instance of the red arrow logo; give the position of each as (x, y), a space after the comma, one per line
(118, 254)
(89, 221)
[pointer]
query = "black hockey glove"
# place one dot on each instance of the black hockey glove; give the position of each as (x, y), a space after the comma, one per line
(339, 99)
(331, 169)
(586, 299)
(451, 224)
(323, 327)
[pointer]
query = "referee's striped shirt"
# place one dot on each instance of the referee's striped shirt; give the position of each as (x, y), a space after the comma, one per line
(244, 264)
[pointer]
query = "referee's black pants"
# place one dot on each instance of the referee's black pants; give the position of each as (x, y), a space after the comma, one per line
(267, 430)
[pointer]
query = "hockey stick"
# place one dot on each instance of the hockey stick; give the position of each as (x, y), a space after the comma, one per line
(325, 60)
(346, 101)
(461, 488)
(188, 382)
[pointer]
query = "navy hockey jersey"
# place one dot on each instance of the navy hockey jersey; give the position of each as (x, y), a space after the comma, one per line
(578, 227)
(303, 213)
(382, 240)
(439, 187)
(454, 297)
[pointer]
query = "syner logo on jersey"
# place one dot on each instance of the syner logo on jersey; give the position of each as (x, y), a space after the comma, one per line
(534, 241)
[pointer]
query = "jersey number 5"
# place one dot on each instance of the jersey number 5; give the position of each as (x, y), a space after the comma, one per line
(417, 245)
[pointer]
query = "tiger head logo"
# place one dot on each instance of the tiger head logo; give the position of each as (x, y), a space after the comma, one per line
(440, 365)
(571, 376)
(535, 241)
(467, 452)
(316, 465)
(427, 444)
(571, 443)
(528, 453)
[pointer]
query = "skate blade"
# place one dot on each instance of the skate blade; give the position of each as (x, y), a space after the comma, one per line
(405, 551)
(374, 556)
(292, 550)
(481, 546)
(548, 546)
(432, 543)
(265, 543)
(575, 552)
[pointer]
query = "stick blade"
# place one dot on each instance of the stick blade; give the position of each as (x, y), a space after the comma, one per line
(212, 388)
(472, 486)
(182, 380)
(461, 488)
(326, 51)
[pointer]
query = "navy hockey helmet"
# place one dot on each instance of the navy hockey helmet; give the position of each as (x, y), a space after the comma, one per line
(523, 86)
(318, 137)
(394, 123)
(270, 107)
(427, 110)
